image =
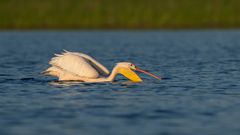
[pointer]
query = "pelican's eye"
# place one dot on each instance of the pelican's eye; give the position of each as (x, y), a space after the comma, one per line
(132, 66)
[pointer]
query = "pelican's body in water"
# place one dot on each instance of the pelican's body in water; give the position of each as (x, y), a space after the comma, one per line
(73, 66)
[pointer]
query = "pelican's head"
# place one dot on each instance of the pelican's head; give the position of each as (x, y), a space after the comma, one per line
(127, 69)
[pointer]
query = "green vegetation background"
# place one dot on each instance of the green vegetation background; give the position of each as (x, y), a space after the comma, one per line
(102, 14)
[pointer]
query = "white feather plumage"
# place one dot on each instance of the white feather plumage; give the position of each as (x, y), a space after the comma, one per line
(78, 64)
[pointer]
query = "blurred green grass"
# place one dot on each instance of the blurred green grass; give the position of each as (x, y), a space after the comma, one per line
(106, 14)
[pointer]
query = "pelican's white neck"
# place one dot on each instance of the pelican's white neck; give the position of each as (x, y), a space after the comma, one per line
(113, 74)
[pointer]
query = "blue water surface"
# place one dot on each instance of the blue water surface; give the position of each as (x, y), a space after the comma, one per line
(198, 95)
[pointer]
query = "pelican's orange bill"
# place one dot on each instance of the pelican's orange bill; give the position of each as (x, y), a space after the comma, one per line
(138, 69)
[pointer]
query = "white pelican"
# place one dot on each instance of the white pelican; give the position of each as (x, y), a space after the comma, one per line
(73, 66)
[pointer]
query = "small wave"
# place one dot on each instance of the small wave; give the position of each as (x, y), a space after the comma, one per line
(7, 80)
(129, 115)
(27, 79)
(32, 80)
(166, 78)
(5, 75)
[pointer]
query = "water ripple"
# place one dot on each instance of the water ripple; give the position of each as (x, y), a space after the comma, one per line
(198, 94)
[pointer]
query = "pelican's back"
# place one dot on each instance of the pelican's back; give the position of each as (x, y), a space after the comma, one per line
(98, 66)
(78, 64)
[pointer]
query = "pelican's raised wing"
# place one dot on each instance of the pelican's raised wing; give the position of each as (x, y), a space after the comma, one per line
(98, 66)
(79, 64)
